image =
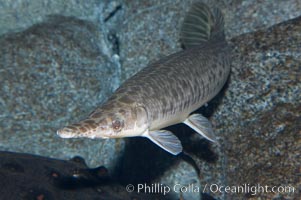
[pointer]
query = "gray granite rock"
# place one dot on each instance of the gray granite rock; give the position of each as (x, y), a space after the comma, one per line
(258, 118)
(19, 15)
(182, 180)
(152, 27)
(52, 74)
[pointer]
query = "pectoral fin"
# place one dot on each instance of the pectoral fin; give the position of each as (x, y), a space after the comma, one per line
(166, 140)
(202, 125)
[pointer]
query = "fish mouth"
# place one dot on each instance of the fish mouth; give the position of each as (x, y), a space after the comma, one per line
(70, 133)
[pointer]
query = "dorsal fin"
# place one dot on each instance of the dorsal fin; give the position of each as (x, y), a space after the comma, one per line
(201, 25)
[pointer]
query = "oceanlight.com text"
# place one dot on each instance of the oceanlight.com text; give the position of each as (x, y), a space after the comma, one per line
(249, 189)
(158, 188)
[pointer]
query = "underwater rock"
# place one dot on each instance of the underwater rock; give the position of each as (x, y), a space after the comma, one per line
(51, 74)
(257, 117)
(25, 176)
(19, 15)
(262, 130)
(184, 181)
(152, 27)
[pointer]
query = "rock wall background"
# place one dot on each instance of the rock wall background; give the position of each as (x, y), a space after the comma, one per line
(56, 69)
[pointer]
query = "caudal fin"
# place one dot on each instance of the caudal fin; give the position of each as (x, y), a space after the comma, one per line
(201, 25)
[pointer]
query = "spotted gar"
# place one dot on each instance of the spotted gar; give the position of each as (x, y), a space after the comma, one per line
(167, 91)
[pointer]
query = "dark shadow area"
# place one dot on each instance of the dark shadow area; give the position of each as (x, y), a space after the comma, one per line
(142, 162)
(81, 178)
(206, 196)
(200, 148)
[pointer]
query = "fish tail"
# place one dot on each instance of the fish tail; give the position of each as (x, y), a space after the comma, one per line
(201, 25)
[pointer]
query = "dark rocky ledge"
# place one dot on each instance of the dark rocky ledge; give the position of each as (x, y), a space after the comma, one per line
(30, 177)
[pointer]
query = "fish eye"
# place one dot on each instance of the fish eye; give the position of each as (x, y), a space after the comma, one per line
(117, 125)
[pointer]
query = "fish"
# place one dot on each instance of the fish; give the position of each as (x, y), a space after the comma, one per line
(167, 91)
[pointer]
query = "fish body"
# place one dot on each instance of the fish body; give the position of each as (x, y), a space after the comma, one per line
(166, 92)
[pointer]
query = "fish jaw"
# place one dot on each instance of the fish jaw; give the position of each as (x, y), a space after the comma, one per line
(103, 133)
(82, 130)
(71, 132)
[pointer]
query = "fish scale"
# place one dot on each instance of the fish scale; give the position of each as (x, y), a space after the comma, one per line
(192, 73)
(167, 91)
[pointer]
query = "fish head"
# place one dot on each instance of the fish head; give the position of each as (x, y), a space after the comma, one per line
(109, 122)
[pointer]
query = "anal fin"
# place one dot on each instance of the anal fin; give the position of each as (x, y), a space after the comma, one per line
(166, 140)
(202, 125)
